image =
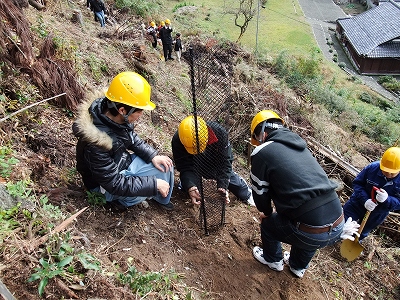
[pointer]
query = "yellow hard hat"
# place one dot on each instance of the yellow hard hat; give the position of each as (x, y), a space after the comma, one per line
(152, 24)
(260, 117)
(187, 134)
(167, 21)
(131, 89)
(162, 23)
(390, 161)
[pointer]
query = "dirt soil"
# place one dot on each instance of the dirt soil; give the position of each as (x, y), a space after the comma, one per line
(215, 266)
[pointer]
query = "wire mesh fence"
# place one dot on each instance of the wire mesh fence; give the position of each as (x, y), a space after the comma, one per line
(211, 75)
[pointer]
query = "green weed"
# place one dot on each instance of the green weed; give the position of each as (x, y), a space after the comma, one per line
(7, 161)
(69, 175)
(368, 265)
(48, 271)
(97, 67)
(61, 261)
(20, 189)
(337, 295)
(390, 83)
(8, 222)
(145, 283)
(66, 50)
(139, 7)
(187, 103)
(40, 28)
(96, 198)
(60, 257)
(51, 211)
(179, 5)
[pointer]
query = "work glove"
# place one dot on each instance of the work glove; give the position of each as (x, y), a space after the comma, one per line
(370, 205)
(381, 195)
(350, 229)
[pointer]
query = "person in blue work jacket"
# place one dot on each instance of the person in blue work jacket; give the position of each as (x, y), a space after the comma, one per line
(384, 175)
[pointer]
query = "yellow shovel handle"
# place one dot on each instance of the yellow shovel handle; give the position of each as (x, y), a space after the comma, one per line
(366, 216)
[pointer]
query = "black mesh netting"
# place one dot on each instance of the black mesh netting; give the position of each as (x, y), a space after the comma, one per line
(211, 74)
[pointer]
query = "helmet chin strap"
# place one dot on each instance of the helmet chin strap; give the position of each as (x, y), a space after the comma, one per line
(261, 140)
(111, 104)
(268, 125)
(128, 114)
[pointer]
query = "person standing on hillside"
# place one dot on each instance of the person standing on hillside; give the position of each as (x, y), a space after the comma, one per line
(178, 46)
(152, 31)
(112, 159)
(161, 25)
(99, 9)
(308, 214)
(166, 39)
(215, 157)
(384, 175)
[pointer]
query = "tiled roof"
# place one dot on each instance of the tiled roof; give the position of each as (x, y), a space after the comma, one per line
(371, 33)
(389, 49)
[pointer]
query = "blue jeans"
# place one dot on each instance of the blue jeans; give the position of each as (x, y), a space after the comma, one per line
(139, 167)
(239, 187)
(277, 228)
(100, 17)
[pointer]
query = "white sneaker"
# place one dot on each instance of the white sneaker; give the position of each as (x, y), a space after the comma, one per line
(286, 256)
(258, 254)
(298, 273)
(250, 201)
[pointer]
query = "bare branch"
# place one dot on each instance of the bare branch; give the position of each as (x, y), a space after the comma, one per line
(29, 106)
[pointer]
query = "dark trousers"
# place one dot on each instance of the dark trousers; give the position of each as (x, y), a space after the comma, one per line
(167, 48)
(154, 42)
(277, 229)
(356, 211)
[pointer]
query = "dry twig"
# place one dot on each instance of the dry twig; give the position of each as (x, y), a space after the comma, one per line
(58, 228)
(29, 106)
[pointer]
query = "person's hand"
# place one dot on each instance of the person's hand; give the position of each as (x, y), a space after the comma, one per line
(194, 195)
(370, 205)
(262, 216)
(350, 229)
(225, 193)
(163, 187)
(381, 195)
(162, 163)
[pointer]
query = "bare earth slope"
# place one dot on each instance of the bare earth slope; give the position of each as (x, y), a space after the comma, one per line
(217, 266)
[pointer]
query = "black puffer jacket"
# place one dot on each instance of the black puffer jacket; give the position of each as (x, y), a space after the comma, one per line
(102, 152)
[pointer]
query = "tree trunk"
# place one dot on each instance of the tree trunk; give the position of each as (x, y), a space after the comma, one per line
(36, 5)
(77, 17)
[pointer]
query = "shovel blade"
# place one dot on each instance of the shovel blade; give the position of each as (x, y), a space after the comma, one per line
(350, 249)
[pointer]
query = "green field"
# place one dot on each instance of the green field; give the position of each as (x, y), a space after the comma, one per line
(281, 25)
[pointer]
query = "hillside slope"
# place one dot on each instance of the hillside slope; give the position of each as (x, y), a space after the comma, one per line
(217, 266)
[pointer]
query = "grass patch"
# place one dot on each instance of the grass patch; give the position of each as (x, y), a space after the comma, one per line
(281, 25)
